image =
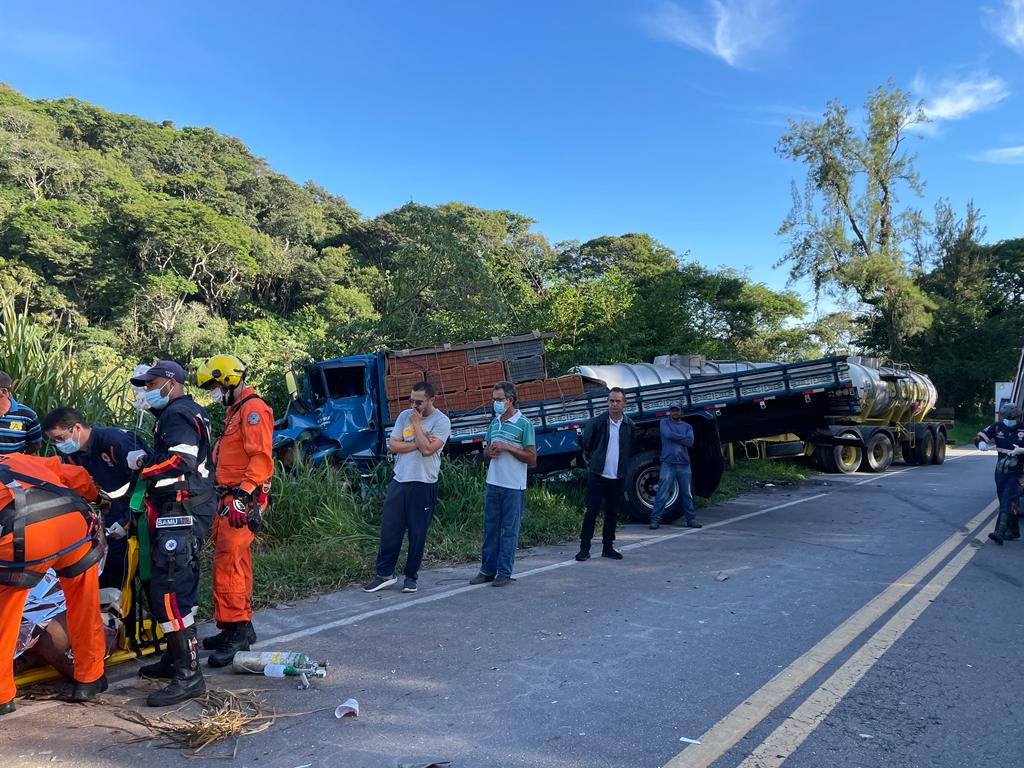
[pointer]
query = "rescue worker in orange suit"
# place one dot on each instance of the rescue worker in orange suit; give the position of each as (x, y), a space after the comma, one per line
(45, 522)
(180, 503)
(244, 464)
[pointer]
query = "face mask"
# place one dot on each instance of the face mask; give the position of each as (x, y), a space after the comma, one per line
(68, 446)
(499, 406)
(1010, 422)
(217, 395)
(154, 398)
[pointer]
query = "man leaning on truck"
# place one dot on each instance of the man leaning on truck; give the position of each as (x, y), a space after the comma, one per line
(607, 443)
(676, 440)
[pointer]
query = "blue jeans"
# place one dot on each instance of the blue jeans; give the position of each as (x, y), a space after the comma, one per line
(681, 474)
(503, 511)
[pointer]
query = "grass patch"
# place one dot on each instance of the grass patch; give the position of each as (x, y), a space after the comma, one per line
(323, 532)
(752, 473)
(963, 431)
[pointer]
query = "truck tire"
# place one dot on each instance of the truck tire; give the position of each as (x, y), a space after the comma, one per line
(924, 451)
(641, 484)
(840, 459)
(878, 453)
(939, 456)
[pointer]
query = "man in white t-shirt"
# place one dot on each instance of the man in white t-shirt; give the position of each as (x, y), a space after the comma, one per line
(416, 441)
(607, 446)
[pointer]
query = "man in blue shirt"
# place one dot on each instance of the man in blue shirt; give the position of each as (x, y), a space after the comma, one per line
(676, 440)
(100, 451)
(19, 425)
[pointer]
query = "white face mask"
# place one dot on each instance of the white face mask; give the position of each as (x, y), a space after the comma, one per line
(217, 395)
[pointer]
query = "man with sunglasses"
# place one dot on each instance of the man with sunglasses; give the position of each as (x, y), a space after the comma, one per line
(416, 441)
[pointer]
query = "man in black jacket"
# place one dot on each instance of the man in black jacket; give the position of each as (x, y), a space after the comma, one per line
(607, 443)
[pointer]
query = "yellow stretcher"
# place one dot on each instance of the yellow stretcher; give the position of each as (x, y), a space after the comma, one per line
(140, 640)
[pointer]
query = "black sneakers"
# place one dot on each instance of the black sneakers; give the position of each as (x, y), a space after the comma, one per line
(582, 555)
(501, 580)
(379, 582)
(693, 524)
(409, 585)
(481, 578)
(613, 554)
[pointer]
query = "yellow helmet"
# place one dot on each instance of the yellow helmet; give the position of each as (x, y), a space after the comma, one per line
(223, 369)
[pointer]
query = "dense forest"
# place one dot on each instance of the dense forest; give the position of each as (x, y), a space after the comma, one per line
(135, 239)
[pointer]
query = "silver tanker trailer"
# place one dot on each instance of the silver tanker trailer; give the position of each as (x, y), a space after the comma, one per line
(880, 414)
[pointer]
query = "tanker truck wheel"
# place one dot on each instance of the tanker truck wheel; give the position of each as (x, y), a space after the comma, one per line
(878, 453)
(840, 459)
(924, 451)
(940, 448)
(641, 485)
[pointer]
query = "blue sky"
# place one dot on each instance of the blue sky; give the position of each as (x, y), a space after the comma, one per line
(591, 117)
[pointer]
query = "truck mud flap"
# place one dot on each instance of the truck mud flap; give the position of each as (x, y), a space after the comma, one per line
(837, 440)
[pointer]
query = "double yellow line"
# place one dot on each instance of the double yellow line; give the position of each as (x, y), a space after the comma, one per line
(784, 740)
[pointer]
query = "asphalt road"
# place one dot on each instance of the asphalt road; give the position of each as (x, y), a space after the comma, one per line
(855, 620)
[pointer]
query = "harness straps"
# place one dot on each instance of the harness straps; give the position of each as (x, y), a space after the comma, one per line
(28, 508)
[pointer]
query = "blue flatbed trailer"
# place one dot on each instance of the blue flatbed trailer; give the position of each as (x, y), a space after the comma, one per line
(339, 413)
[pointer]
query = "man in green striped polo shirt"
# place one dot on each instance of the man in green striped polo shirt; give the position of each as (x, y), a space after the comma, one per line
(512, 449)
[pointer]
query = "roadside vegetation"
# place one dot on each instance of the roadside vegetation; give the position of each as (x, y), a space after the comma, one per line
(322, 533)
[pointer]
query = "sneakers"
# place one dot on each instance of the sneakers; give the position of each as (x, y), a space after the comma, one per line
(501, 580)
(481, 578)
(611, 553)
(379, 582)
(582, 555)
(409, 585)
(693, 524)
(996, 538)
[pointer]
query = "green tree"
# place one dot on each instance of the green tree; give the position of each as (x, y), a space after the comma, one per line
(846, 230)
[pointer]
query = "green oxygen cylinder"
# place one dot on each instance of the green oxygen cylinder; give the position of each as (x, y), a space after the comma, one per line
(138, 510)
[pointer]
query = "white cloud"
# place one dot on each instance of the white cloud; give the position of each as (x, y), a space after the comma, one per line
(728, 29)
(955, 98)
(1006, 21)
(1001, 156)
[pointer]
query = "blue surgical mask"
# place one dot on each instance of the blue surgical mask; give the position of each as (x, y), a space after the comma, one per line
(67, 446)
(499, 406)
(154, 399)
(1010, 422)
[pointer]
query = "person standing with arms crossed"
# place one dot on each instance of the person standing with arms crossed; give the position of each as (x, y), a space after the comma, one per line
(676, 440)
(607, 444)
(512, 449)
(244, 463)
(416, 441)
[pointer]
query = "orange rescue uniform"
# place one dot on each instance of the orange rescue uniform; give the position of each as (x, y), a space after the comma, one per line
(243, 459)
(42, 540)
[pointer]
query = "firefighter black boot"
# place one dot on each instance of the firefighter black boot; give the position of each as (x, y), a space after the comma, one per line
(240, 636)
(162, 669)
(214, 642)
(187, 682)
(999, 534)
(87, 691)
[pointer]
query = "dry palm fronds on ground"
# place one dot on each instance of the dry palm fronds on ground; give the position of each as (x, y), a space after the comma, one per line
(224, 715)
